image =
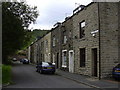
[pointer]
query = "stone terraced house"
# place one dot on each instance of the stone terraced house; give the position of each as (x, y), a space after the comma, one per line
(56, 45)
(95, 43)
(87, 43)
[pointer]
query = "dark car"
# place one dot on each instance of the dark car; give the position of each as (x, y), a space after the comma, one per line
(21, 60)
(25, 61)
(116, 72)
(44, 67)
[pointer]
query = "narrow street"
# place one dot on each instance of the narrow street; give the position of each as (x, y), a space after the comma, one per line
(25, 76)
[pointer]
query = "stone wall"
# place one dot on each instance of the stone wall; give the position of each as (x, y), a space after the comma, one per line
(47, 47)
(90, 15)
(67, 30)
(108, 37)
(105, 19)
(56, 50)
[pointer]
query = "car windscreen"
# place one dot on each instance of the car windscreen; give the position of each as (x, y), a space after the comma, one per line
(46, 64)
(26, 59)
(118, 66)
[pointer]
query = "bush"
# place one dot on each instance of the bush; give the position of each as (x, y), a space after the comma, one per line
(6, 74)
(0, 74)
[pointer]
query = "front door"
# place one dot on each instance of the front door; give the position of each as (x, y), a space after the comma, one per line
(71, 61)
(94, 62)
(57, 63)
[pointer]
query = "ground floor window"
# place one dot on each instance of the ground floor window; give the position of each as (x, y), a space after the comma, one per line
(82, 57)
(64, 59)
(53, 58)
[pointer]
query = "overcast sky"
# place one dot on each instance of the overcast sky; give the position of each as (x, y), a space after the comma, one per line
(52, 11)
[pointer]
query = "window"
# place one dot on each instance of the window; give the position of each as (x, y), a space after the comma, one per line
(46, 45)
(83, 24)
(64, 59)
(53, 41)
(82, 28)
(82, 57)
(53, 58)
(65, 39)
(42, 45)
(70, 34)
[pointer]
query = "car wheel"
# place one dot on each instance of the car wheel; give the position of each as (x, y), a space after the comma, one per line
(37, 70)
(53, 72)
(40, 71)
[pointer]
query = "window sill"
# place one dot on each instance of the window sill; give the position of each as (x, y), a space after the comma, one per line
(82, 39)
(63, 44)
(82, 68)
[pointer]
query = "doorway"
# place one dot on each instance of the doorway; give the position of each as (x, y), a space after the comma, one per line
(57, 63)
(94, 62)
(71, 61)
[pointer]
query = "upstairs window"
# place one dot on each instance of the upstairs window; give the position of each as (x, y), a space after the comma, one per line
(46, 45)
(65, 39)
(42, 45)
(82, 29)
(53, 41)
(70, 34)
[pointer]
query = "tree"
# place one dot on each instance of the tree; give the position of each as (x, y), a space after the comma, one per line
(16, 17)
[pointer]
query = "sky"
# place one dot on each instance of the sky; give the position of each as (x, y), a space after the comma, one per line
(53, 11)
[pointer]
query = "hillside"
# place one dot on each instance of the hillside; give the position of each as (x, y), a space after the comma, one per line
(36, 34)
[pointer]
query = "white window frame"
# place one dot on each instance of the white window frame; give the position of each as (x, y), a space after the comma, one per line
(64, 60)
(53, 41)
(82, 24)
(65, 39)
(53, 58)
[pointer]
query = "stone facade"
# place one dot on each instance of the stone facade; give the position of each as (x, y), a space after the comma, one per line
(34, 52)
(40, 50)
(56, 45)
(31, 52)
(108, 37)
(119, 32)
(90, 15)
(43, 48)
(86, 43)
(67, 42)
(100, 40)
(47, 47)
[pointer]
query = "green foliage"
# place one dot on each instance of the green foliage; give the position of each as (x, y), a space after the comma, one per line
(23, 11)
(16, 17)
(36, 34)
(6, 74)
(21, 53)
(0, 74)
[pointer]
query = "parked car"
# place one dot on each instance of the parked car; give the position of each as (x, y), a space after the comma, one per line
(25, 61)
(21, 60)
(14, 59)
(116, 72)
(44, 67)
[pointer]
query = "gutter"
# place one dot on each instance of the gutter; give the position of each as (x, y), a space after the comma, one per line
(99, 42)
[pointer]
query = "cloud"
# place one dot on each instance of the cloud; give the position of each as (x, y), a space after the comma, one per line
(52, 11)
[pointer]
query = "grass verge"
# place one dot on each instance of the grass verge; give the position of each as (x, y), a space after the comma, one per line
(6, 74)
(0, 74)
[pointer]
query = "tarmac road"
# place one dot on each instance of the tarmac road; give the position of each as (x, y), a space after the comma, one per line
(25, 76)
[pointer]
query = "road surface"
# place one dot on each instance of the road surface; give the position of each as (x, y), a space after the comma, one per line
(25, 76)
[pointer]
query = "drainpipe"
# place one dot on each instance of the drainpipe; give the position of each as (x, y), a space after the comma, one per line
(99, 42)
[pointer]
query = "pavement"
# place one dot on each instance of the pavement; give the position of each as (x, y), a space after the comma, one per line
(90, 81)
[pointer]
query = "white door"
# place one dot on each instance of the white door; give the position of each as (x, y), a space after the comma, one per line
(71, 61)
